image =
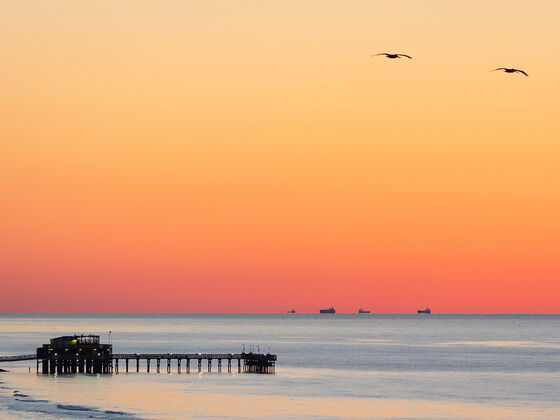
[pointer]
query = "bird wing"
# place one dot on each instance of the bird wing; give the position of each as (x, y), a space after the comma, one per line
(500, 68)
(404, 55)
(379, 54)
(521, 71)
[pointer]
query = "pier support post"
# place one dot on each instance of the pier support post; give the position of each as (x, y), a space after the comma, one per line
(199, 365)
(188, 367)
(229, 365)
(97, 365)
(148, 365)
(219, 365)
(126, 363)
(116, 365)
(158, 361)
(238, 365)
(209, 365)
(45, 366)
(168, 365)
(137, 364)
(178, 365)
(81, 363)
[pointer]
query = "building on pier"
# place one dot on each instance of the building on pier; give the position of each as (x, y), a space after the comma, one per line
(76, 354)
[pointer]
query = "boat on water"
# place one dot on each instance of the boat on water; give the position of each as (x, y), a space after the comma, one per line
(327, 311)
(425, 311)
(363, 311)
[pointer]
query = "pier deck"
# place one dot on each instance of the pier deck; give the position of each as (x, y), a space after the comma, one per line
(75, 363)
(18, 358)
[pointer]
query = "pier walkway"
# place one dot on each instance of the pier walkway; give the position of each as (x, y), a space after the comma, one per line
(67, 362)
(18, 358)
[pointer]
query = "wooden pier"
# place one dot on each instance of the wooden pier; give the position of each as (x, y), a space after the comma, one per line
(85, 354)
(180, 362)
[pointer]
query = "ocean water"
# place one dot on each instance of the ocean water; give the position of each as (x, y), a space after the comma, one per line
(329, 367)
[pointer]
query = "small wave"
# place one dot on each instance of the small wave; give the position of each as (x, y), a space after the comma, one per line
(32, 400)
(74, 407)
(18, 394)
(502, 343)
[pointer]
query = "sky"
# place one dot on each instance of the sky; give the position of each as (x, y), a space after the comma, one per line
(251, 156)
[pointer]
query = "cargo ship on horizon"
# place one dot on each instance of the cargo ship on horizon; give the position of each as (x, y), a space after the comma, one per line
(424, 311)
(327, 311)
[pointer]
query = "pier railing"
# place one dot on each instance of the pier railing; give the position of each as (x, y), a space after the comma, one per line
(18, 358)
(179, 355)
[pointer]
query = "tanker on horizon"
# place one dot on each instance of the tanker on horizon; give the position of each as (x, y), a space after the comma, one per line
(327, 311)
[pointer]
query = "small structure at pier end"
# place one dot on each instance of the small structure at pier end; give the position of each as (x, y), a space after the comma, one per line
(259, 363)
(76, 354)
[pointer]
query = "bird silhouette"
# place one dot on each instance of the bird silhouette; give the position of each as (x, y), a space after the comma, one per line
(392, 56)
(507, 70)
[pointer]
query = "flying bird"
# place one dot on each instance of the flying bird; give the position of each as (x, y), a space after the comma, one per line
(393, 55)
(511, 70)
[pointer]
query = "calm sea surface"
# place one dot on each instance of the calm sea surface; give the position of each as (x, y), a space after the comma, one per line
(329, 367)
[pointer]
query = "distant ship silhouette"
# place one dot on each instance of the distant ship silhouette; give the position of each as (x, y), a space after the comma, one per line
(363, 311)
(327, 311)
(425, 311)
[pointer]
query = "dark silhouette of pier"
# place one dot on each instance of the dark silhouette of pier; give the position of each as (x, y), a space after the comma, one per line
(85, 354)
(135, 362)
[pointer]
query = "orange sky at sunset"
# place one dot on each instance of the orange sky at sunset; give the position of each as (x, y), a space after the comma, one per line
(250, 156)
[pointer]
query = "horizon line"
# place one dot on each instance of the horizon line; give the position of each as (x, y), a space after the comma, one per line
(273, 313)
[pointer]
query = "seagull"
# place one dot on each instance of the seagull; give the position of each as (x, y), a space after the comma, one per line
(511, 70)
(393, 55)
